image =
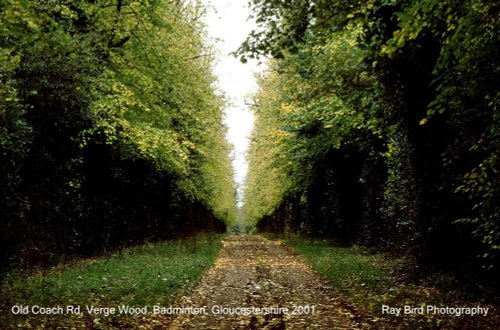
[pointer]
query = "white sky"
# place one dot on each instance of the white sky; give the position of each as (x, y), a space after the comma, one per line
(228, 22)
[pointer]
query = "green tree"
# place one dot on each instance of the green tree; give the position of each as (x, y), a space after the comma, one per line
(111, 125)
(395, 99)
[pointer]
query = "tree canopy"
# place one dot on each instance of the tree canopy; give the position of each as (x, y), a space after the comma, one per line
(110, 126)
(377, 123)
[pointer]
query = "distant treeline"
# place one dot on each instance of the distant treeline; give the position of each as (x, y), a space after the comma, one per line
(111, 130)
(377, 123)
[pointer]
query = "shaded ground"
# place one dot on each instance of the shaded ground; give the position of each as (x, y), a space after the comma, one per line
(252, 271)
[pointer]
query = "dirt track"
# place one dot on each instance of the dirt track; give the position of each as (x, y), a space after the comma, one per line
(252, 271)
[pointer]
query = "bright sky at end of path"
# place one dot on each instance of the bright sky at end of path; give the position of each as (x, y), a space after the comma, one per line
(228, 25)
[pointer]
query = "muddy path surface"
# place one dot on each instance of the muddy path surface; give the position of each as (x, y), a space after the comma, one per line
(251, 283)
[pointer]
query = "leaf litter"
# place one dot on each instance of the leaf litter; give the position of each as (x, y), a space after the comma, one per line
(254, 272)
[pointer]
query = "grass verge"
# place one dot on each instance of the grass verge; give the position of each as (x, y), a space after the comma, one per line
(368, 281)
(139, 277)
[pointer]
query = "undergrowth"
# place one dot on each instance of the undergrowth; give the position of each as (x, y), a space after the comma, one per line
(368, 281)
(147, 275)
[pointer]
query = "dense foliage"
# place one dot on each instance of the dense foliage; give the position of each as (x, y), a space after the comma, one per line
(110, 128)
(378, 123)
